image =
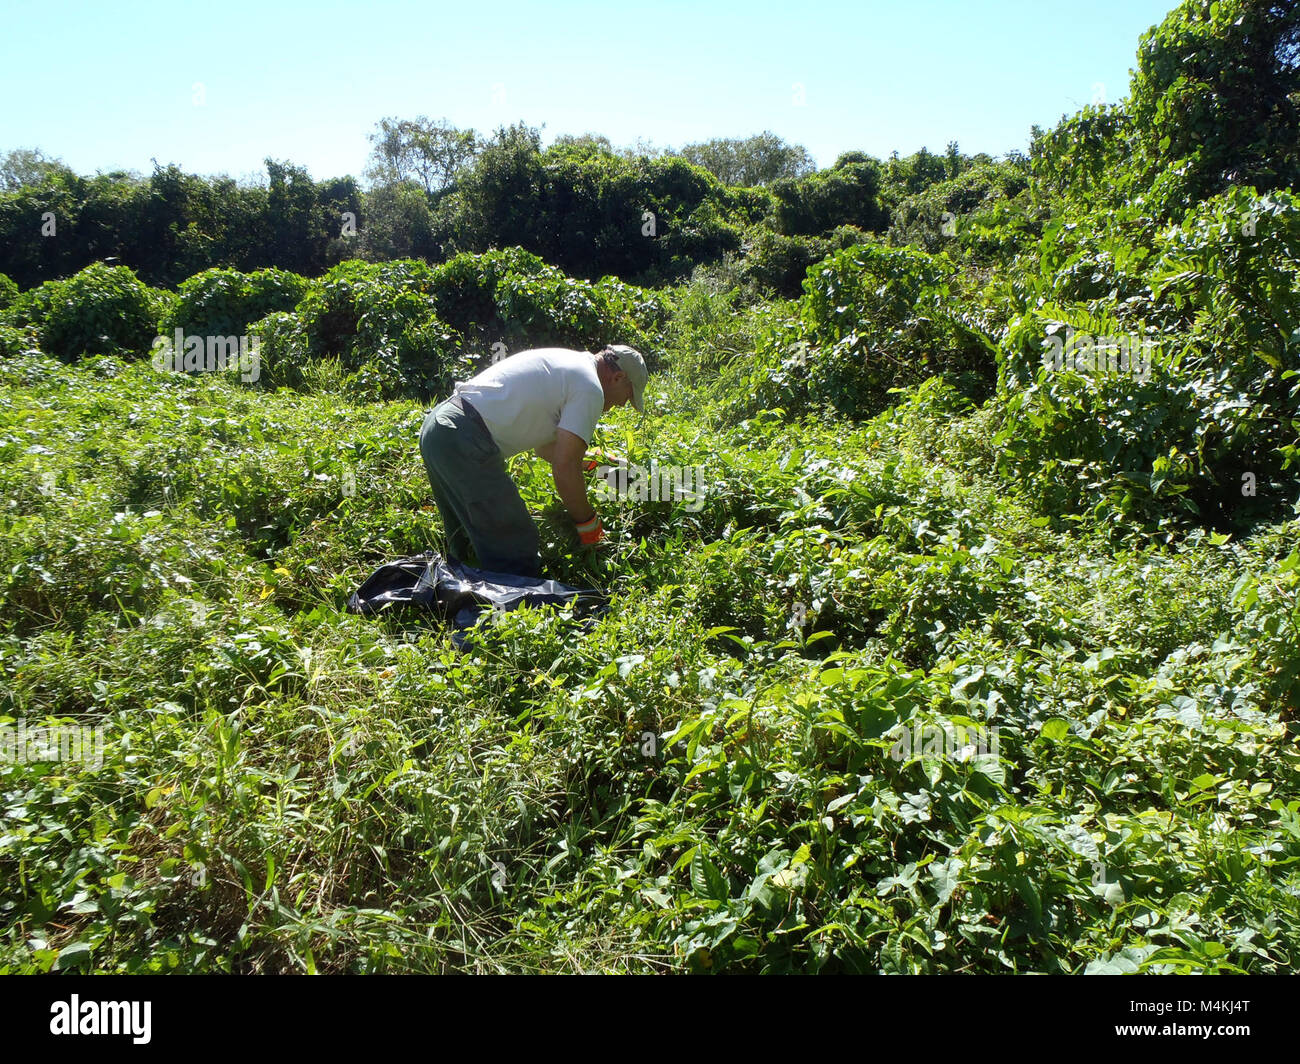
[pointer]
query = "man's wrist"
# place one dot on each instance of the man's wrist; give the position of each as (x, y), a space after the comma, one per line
(590, 532)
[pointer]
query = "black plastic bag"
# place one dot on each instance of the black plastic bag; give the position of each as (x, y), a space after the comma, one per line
(459, 593)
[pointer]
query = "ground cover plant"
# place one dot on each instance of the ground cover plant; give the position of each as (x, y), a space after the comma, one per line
(973, 648)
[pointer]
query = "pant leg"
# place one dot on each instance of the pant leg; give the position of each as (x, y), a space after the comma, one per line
(466, 467)
(457, 538)
(502, 530)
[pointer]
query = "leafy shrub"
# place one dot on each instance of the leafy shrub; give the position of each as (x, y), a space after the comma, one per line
(1206, 436)
(1099, 259)
(1001, 229)
(333, 309)
(873, 319)
(363, 312)
(513, 297)
(639, 314)
(8, 292)
(15, 339)
(223, 302)
(1232, 272)
(101, 310)
(1271, 608)
(554, 310)
(780, 263)
(930, 220)
(1082, 159)
(32, 307)
(1213, 102)
(846, 194)
(282, 349)
(465, 287)
(379, 318)
(1107, 442)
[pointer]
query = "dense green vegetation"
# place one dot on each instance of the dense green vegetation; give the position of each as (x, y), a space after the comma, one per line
(989, 447)
(581, 205)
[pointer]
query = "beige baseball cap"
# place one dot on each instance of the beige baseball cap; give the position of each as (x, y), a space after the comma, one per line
(630, 362)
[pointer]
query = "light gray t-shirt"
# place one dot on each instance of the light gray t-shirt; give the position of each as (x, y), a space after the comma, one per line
(523, 399)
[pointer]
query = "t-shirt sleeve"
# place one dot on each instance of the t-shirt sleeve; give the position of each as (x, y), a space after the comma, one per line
(580, 414)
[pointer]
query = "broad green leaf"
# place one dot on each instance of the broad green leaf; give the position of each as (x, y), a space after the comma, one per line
(1055, 729)
(706, 880)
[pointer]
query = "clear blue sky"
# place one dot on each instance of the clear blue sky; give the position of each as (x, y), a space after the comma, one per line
(111, 84)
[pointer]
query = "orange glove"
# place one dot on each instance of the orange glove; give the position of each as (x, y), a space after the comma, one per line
(601, 458)
(591, 532)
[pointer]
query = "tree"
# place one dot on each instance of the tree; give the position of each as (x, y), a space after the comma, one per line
(587, 142)
(498, 198)
(826, 199)
(399, 224)
(952, 160)
(27, 166)
(426, 152)
(908, 176)
(757, 160)
(1216, 95)
(927, 170)
(304, 218)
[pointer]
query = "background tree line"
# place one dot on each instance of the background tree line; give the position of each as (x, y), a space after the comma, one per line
(431, 191)
(1214, 103)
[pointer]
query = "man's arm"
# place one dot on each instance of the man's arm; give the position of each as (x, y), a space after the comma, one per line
(566, 467)
(547, 452)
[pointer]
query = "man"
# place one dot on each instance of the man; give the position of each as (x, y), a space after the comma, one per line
(546, 400)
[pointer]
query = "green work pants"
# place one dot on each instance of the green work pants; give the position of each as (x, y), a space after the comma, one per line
(479, 503)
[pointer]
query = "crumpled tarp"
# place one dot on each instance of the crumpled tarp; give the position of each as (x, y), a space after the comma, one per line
(460, 593)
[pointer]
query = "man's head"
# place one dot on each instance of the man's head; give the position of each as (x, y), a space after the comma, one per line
(623, 376)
